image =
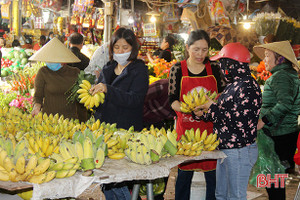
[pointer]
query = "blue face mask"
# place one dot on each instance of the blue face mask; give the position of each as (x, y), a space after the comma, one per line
(54, 66)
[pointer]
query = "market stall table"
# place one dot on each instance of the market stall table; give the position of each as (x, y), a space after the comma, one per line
(114, 171)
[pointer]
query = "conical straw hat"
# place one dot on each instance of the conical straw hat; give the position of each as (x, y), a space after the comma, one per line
(283, 48)
(54, 52)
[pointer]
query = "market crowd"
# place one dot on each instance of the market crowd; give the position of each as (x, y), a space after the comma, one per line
(240, 112)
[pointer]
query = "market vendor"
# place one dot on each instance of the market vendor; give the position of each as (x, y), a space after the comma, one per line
(164, 51)
(54, 79)
(195, 72)
(41, 43)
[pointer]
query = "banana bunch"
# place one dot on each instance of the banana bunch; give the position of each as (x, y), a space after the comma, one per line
(91, 151)
(14, 149)
(18, 124)
(34, 171)
(146, 148)
(114, 147)
(86, 98)
(64, 166)
(42, 144)
(192, 143)
(26, 195)
(193, 99)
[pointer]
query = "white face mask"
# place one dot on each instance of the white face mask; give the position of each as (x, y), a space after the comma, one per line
(122, 58)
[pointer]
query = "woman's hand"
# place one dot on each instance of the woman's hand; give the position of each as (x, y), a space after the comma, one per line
(198, 112)
(36, 109)
(206, 105)
(260, 124)
(100, 87)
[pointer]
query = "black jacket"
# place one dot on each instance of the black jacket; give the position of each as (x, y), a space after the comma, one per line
(84, 59)
(125, 96)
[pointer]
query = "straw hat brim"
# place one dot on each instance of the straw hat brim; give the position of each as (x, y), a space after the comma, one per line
(55, 52)
(283, 48)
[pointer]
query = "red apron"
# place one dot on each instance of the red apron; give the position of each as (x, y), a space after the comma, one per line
(186, 121)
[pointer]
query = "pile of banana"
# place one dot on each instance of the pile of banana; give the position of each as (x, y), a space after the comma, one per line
(12, 121)
(35, 171)
(194, 99)
(90, 151)
(13, 149)
(64, 167)
(146, 149)
(192, 143)
(86, 98)
(41, 143)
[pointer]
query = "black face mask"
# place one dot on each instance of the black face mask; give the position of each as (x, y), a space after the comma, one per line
(226, 70)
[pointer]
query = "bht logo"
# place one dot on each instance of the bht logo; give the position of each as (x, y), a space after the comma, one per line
(266, 181)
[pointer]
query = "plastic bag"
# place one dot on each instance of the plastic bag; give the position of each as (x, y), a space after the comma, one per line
(268, 161)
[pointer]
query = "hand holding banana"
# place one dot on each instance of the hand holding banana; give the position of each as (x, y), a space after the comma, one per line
(100, 87)
(194, 99)
(91, 96)
(199, 110)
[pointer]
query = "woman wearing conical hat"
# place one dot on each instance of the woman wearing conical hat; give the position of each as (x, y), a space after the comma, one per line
(54, 79)
(281, 104)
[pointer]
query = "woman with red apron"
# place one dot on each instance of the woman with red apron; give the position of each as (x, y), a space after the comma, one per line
(194, 73)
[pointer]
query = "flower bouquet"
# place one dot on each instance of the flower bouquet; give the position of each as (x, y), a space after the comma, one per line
(266, 23)
(23, 103)
(288, 29)
(161, 68)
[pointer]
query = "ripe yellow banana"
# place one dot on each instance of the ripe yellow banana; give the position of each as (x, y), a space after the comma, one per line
(197, 135)
(117, 156)
(38, 179)
(20, 165)
(208, 139)
(203, 135)
(80, 91)
(42, 167)
(87, 84)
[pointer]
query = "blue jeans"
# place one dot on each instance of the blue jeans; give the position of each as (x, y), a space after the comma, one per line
(116, 192)
(184, 181)
(233, 173)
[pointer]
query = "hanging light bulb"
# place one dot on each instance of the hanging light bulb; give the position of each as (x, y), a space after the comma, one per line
(153, 19)
(130, 19)
(246, 25)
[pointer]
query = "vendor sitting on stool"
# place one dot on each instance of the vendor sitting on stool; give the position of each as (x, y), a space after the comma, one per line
(164, 51)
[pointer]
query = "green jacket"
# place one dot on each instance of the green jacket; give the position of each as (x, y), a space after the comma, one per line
(280, 102)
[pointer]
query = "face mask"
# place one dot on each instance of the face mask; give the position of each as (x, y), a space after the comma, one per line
(226, 71)
(122, 59)
(54, 66)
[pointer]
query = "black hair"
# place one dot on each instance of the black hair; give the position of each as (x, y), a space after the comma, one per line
(15, 43)
(28, 40)
(76, 38)
(50, 33)
(171, 40)
(196, 35)
(43, 37)
(130, 38)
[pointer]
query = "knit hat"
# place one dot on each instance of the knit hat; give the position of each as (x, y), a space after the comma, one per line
(282, 48)
(54, 52)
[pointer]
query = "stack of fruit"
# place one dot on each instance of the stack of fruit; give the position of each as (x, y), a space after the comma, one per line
(41, 143)
(13, 121)
(194, 99)
(192, 143)
(91, 151)
(88, 99)
(14, 61)
(35, 171)
(148, 147)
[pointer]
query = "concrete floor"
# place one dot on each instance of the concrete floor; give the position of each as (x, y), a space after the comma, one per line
(198, 188)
